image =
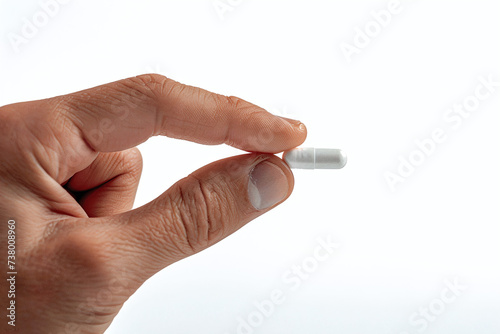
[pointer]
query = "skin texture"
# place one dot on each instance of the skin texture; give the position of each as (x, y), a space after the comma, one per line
(69, 172)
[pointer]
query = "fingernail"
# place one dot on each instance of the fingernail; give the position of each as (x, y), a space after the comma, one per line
(267, 185)
(291, 121)
(295, 123)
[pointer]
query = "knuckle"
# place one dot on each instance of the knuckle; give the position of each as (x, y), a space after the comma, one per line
(34, 127)
(149, 83)
(157, 87)
(72, 257)
(80, 254)
(228, 105)
(74, 265)
(135, 92)
(71, 105)
(201, 212)
(248, 112)
(61, 116)
(141, 88)
(231, 103)
(58, 115)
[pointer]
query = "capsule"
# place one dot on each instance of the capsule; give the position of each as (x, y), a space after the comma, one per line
(315, 158)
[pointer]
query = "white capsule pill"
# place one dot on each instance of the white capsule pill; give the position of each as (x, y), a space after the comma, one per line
(315, 158)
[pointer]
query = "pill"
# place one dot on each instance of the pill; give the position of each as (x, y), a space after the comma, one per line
(315, 158)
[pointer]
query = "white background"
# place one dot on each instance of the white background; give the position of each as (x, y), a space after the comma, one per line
(397, 248)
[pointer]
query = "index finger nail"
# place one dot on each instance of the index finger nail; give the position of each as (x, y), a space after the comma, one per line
(294, 122)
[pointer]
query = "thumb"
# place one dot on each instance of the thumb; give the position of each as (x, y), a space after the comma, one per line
(200, 210)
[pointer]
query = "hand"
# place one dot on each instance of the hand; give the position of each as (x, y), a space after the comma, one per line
(69, 172)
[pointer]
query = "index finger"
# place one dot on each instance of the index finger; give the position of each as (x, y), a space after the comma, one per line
(125, 113)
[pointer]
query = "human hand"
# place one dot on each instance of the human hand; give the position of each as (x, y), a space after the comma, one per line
(69, 171)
